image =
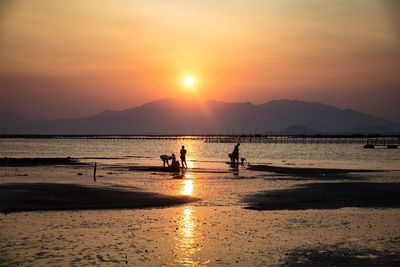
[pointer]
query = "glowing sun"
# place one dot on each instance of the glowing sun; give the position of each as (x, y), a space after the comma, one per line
(188, 81)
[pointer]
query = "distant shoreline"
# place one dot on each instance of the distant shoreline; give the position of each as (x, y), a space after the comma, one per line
(193, 135)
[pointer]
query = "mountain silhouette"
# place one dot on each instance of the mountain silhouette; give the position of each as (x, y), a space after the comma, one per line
(177, 116)
(299, 130)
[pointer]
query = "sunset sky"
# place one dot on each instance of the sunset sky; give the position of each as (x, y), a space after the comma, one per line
(63, 59)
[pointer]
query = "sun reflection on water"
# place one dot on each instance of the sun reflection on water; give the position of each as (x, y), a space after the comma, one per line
(188, 223)
(187, 188)
(186, 240)
(187, 243)
(190, 163)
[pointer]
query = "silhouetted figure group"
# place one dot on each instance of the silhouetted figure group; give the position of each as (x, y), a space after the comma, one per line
(174, 166)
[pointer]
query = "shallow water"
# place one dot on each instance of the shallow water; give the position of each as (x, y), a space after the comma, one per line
(203, 154)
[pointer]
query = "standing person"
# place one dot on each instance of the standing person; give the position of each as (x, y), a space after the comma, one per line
(183, 157)
(235, 153)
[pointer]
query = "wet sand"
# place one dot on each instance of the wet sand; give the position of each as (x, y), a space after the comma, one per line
(200, 236)
(152, 169)
(302, 171)
(21, 162)
(328, 196)
(340, 255)
(217, 230)
(53, 197)
(165, 169)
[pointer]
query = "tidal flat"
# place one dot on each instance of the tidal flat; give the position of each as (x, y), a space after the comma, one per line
(213, 228)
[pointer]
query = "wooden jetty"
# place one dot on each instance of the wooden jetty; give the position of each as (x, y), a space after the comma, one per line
(390, 143)
(370, 141)
(108, 137)
(307, 139)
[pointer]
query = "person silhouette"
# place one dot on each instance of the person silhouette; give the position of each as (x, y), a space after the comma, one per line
(173, 158)
(183, 157)
(235, 154)
(165, 158)
(174, 164)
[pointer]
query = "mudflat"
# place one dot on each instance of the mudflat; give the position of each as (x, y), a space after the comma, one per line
(21, 162)
(57, 196)
(328, 196)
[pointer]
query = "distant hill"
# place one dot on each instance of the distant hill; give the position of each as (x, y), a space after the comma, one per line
(174, 116)
(299, 130)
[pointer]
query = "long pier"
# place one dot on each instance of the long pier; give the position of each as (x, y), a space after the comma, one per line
(307, 139)
(371, 140)
(391, 143)
(106, 137)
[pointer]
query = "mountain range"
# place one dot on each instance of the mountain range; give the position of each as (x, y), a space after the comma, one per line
(177, 116)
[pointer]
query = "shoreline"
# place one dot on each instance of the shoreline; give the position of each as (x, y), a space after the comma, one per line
(285, 170)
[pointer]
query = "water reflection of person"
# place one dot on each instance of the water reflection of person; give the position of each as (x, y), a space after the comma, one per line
(235, 169)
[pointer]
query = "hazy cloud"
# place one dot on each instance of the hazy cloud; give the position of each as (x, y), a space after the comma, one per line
(392, 10)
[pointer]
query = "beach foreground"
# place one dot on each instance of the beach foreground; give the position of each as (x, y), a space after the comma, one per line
(206, 217)
(201, 236)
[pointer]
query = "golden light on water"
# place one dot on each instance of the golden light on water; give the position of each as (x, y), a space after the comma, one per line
(186, 240)
(190, 163)
(187, 189)
(188, 222)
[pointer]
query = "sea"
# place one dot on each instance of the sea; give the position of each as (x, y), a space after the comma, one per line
(201, 154)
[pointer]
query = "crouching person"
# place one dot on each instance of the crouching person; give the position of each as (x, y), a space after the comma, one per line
(175, 166)
(165, 159)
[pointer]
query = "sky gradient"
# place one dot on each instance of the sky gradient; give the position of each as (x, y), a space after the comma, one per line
(63, 59)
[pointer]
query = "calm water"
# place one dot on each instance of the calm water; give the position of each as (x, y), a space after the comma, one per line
(202, 154)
